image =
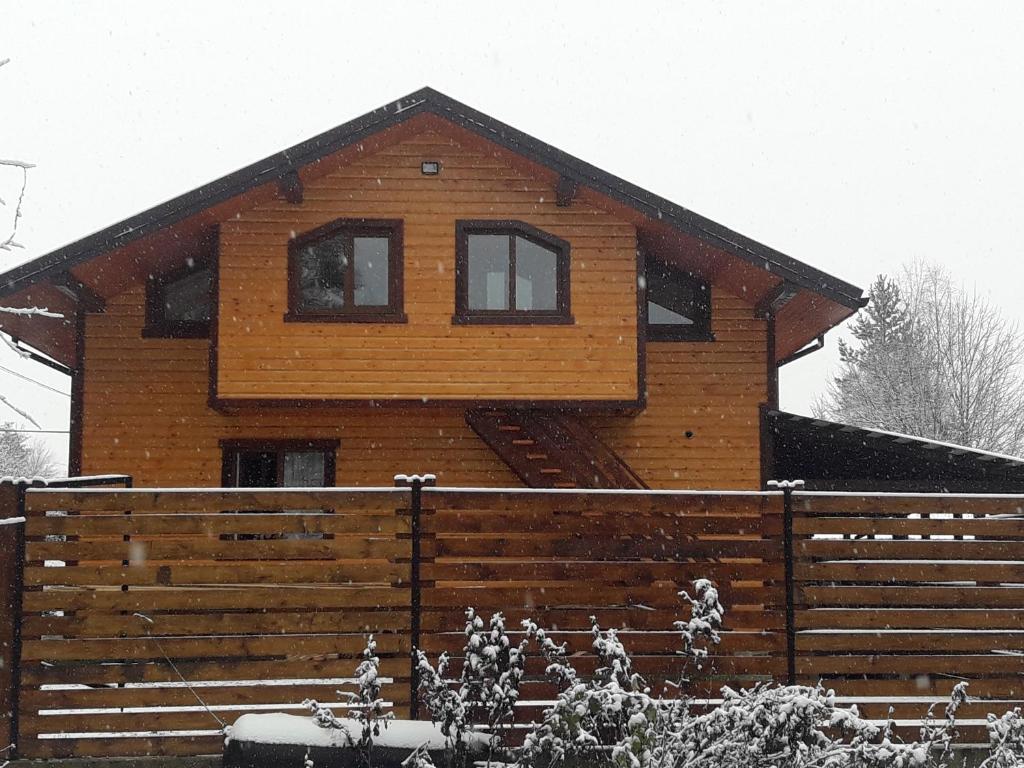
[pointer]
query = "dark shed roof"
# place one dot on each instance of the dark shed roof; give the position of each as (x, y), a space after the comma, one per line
(829, 455)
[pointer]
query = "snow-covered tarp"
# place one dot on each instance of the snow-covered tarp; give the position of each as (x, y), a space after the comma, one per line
(277, 728)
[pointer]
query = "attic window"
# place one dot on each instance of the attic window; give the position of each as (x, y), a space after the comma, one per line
(347, 271)
(678, 306)
(510, 272)
(179, 304)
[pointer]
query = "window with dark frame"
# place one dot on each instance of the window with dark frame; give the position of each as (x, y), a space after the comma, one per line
(349, 270)
(179, 305)
(278, 464)
(510, 272)
(678, 305)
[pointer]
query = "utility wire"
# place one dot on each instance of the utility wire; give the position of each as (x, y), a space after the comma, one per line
(34, 381)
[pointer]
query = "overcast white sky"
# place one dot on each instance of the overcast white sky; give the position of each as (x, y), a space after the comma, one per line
(851, 136)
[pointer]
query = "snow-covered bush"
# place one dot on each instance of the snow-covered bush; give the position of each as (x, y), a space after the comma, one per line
(702, 628)
(366, 706)
(773, 726)
(611, 718)
(1006, 740)
(492, 671)
(610, 711)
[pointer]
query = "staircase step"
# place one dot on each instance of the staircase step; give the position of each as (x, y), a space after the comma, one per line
(551, 449)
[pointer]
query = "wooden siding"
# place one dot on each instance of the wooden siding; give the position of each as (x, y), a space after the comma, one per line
(710, 389)
(263, 357)
(146, 413)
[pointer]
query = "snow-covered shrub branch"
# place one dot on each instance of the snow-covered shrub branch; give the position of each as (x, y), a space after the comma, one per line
(492, 670)
(1006, 740)
(367, 709)
(611, 719)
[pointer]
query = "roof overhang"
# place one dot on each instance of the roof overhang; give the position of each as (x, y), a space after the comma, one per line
(740, 264)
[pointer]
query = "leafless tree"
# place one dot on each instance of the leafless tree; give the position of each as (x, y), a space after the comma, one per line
(953, 372)
(9, 243)
(24, 456)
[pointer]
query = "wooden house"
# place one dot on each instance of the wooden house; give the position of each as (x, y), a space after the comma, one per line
(423, 288)
(427, 290)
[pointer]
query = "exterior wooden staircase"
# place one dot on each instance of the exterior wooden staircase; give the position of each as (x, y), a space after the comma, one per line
(551, 449)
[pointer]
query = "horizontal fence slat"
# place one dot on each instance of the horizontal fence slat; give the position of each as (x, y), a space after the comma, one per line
(887, 596)
(817, 503)
(555, 594)
(903, 571)
(119, 671)
(218, 597)
(909, 618)
(265, 572)
(364, 546)
(221, 647)
(909, 641)
(170, 745)
(910, 550)
(94, 624)
(981, 527)
(618, 502)
(612, 549)
(563, 523)
(185, 524)
(214, 499)
(961, 665)
(596, 571)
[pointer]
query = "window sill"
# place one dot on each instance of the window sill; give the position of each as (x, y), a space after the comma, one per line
(345, 317)
(512, 319)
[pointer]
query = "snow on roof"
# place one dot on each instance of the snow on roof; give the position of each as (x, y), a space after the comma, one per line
(899, 437)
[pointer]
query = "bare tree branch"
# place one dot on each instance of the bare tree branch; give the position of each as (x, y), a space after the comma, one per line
(934, 360)
(9, 243)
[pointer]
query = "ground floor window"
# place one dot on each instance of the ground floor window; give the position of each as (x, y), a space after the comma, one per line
(278, 463)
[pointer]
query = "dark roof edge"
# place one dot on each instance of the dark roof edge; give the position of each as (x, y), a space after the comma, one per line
(976, 453)
(649, 203)
(428, 100)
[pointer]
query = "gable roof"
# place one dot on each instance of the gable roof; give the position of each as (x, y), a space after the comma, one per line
(429, 100)
(822, 300)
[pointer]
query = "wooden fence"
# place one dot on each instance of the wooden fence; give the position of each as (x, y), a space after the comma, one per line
(560, 557)
(259, 599)
(899, 597)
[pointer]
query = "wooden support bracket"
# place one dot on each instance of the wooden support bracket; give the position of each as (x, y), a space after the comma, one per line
(290, 187)
(565, 191)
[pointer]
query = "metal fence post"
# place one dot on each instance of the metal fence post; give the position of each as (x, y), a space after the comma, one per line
(12, 577)
(415, 484)
(787, 487)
